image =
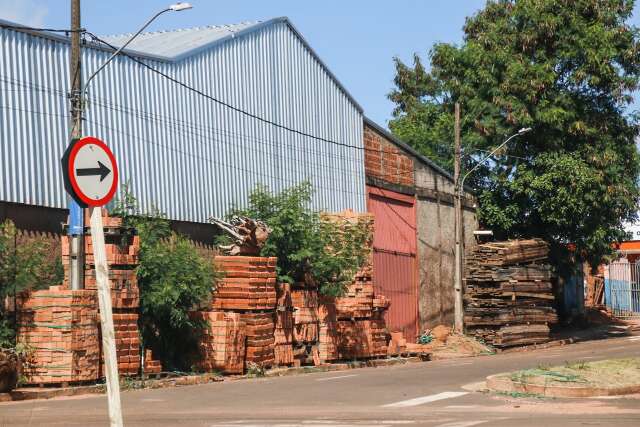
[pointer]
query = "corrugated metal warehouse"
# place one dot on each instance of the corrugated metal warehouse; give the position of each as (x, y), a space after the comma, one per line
(193, 157)
(189, 156)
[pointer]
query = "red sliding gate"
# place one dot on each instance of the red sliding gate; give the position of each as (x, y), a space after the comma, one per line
(394, 257)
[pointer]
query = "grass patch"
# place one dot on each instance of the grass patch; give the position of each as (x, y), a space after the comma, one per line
(604, 373)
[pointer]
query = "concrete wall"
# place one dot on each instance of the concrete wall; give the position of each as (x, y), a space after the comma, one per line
(436, 244)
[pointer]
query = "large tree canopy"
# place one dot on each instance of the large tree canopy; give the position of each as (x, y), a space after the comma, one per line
(567, 69)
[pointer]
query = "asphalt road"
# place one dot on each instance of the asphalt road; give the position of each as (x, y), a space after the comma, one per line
(433, 394)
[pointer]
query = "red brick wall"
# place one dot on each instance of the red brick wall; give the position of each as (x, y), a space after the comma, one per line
(384, 160)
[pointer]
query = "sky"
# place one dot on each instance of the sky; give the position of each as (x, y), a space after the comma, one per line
(357, 39)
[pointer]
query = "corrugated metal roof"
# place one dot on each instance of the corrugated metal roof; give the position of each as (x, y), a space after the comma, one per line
(175, 43)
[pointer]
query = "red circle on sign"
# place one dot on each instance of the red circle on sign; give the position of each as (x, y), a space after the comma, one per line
(72, 177)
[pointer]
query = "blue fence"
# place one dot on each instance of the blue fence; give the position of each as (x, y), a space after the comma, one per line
(622, 289)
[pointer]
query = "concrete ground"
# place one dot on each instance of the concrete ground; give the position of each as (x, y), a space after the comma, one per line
(436, 394)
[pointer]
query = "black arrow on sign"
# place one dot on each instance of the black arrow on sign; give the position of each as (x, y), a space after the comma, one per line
(101, 170)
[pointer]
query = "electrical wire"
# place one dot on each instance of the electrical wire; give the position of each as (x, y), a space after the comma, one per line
(49, 30)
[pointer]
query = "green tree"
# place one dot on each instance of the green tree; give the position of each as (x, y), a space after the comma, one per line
(26, 263)
(567, 69)
(320, 251)
(173, 279)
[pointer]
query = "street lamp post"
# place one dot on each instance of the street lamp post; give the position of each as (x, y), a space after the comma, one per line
(459, 253)
(97, 230)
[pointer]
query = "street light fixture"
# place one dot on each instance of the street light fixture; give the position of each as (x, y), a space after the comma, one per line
(177, 7)
(459, 253)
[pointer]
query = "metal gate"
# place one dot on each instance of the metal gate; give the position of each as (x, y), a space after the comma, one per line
(394, 258)
(622, 289)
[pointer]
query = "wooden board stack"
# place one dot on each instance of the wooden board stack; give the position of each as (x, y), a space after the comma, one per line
(61, 327)
(222, 345)
(509, 298)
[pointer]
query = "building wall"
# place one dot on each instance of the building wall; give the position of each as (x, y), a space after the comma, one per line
(386, 167)
(436, 245)
(385, 161)
(188, 156)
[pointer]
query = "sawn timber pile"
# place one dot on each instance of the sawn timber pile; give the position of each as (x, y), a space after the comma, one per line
(508, 293)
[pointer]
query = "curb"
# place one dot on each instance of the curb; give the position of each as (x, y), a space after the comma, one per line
(505, 385)
(44, 393)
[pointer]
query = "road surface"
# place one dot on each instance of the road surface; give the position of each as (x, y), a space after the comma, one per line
(435, 394)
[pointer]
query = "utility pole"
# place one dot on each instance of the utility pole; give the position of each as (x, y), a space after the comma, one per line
(76, 213)
(457, 285)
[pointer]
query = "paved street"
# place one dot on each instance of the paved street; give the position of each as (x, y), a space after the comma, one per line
(427, 394)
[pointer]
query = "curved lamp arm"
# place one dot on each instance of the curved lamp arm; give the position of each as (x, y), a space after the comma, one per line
(174, 7)
(520, 133)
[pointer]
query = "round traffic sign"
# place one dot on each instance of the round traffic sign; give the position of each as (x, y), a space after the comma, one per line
(90, 171)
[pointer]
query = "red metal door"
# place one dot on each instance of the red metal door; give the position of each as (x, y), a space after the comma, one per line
(394, 257)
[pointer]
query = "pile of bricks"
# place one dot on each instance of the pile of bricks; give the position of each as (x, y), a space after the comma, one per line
(353, 326)
(260, 338)
(249, 283)
(357, 302)
(151, 366)
(122, 248)
(305, 316)
(222, 345)
(61, 328)
(127, 343)
(283, 335)
(248, 290)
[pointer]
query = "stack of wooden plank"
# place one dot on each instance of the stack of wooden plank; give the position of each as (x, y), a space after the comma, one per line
(283, 350)
(61, 329)
(222, 344)
(509, 298)
(248, 283)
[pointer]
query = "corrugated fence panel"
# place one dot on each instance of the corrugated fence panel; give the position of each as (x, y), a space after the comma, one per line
(188, 156)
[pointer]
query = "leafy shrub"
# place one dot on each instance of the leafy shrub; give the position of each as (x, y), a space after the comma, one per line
(173, 279)
(26, 263)
(310, 247)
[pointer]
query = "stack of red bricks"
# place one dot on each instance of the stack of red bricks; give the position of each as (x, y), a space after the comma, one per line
(61, 328)
(248, 288)
(151, 365)
(222, 345)
(122, 250)
(249, 283)
(283, 350)
(353, 326)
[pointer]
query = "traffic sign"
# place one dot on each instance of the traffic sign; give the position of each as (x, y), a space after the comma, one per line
(90, 171)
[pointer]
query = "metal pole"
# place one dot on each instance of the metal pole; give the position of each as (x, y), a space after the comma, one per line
(76, 213)
(458, 308)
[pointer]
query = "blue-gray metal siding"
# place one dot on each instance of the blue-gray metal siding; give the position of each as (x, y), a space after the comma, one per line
(182, 153)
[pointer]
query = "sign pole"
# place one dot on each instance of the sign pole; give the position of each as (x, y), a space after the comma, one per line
(91, 178)
(106, 317)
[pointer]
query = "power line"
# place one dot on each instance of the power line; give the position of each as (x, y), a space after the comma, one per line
(232, 107)
(50, 30)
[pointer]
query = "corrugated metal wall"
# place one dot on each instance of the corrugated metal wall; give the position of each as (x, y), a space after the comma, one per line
(186, 155)
(394, 258)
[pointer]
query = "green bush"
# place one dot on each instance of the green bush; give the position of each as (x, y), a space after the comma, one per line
(26, 263)
(173, 279)
(310, 248)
